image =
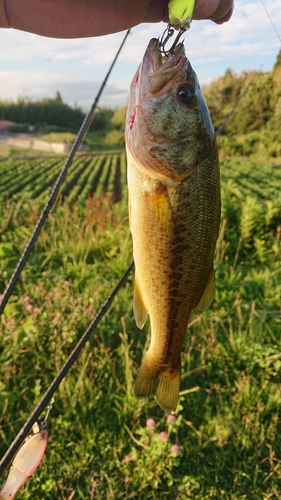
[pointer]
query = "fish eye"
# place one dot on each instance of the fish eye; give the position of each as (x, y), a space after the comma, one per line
(187, 94)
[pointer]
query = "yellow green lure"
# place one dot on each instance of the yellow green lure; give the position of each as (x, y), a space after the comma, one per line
(180, 12)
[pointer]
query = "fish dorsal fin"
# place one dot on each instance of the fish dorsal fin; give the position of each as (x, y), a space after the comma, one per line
(140, 311)
(208, 295)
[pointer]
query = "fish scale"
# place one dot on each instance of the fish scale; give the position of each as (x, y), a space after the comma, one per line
(174, 211)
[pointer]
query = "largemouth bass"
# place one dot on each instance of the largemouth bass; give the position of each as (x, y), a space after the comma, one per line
(174, 211)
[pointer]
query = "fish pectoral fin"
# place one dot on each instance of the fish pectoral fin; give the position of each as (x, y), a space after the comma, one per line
(140, 311)
(163, 384)
(208, 295)
(161, 208)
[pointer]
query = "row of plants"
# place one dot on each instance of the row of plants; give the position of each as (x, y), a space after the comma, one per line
(88, 175)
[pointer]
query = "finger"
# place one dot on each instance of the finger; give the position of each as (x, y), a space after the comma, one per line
(218, 11)
(225, 18)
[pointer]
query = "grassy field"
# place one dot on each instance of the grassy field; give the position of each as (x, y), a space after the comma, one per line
(103, 443)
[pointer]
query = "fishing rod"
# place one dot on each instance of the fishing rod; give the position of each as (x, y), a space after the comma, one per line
(53, 196)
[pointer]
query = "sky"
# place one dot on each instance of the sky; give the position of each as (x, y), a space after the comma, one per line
(38, 67)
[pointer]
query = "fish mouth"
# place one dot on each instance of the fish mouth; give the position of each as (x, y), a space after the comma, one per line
(158, 72)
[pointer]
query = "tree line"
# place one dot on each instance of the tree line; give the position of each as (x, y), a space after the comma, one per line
(54, 115)
(44, 112)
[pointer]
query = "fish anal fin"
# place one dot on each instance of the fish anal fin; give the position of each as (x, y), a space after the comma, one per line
(140, 311)
(208, 295)
(162, 383)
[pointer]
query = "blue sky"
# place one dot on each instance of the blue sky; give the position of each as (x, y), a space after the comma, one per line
(38, 67)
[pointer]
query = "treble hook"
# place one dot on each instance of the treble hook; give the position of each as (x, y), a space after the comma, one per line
(167, 34)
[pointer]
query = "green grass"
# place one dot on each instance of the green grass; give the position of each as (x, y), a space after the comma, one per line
(227, 424)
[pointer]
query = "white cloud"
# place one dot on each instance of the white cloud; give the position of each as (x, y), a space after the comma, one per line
(79, 92)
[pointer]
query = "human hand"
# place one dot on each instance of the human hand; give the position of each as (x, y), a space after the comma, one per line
(218, 11)
(85, 18)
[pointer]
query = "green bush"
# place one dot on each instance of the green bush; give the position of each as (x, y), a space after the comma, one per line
(115, 138)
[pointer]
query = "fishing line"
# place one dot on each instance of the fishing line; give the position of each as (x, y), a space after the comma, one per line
(268, 15)
(223, 124)
(13, 448)
(53, 196)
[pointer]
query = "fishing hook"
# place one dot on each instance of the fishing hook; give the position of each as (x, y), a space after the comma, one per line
(167, 34)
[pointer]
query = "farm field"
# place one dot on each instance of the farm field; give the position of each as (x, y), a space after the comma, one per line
(88, 174)
(225, 442)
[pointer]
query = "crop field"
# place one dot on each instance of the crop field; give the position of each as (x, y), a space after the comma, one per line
(224, 441)
(88, 175)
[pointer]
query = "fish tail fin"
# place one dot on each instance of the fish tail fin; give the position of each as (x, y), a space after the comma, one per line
(163, 384)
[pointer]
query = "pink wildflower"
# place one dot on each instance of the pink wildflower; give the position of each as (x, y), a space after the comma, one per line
(28, 307)
(171, 419)
(56, 319)
(175, 448)
(26, 298)
(52, 294)
(164, 436)
(66, 283)
(35, 309)
(150, 422)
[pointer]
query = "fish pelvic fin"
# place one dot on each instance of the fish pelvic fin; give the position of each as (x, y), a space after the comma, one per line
(208, 295)
(162, 383)
(140, 311)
